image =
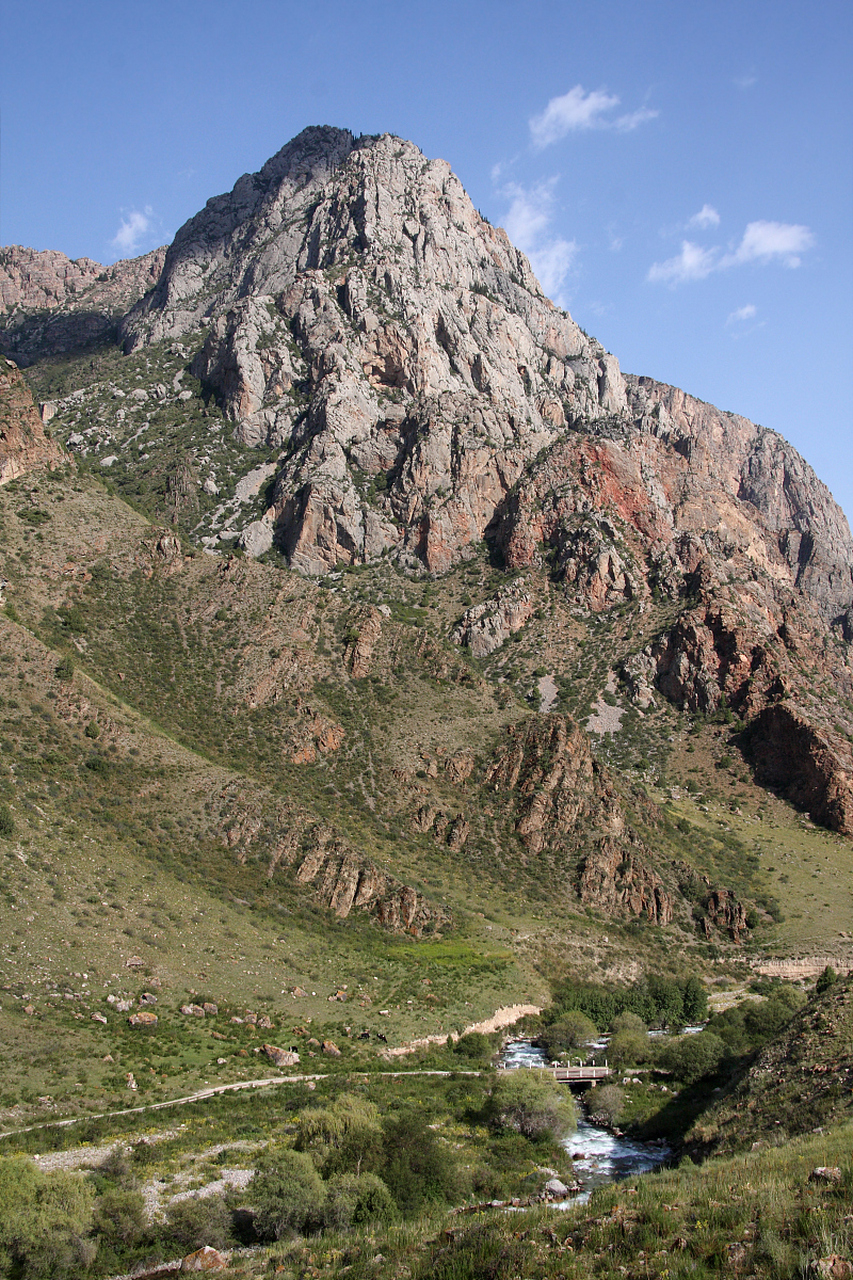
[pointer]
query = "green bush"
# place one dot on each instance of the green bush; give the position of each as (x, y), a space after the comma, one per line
(474, 1045)
(7, 822)
(120, 1218)
(354, 1199)
(45, 1222)
(628, 1048)
(418, 1170)
(200, 1220)
(533, 1104)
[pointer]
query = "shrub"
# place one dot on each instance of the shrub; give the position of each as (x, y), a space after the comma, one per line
(200, 1220)
(353, 1199)
(418, 1170)
(45, 1223)
(120, 1217)
(7, 822)
(345, 1137)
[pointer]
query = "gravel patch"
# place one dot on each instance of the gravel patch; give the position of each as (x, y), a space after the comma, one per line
(605, 718)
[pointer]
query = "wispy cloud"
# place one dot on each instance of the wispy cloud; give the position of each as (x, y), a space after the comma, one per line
(693, 263)
(706, 217)
(134, 230)
(527, 222)
(742, 314)
(576, 110)
(762, 242)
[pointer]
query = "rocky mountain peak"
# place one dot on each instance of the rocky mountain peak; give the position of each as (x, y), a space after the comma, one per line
(416, 395)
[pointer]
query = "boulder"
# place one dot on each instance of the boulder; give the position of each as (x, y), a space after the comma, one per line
(281, 1057)
(143, 1019)
(204, 1259)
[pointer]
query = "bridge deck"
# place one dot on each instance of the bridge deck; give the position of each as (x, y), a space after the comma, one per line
(582, 1074)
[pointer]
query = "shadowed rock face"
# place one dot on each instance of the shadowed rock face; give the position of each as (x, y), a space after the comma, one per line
(24, 446)
(50, 304)
(564, 805)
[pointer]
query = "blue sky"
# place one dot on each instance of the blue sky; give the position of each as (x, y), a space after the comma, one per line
(680, 175)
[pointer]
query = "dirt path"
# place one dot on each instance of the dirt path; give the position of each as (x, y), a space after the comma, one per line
(501, 1018)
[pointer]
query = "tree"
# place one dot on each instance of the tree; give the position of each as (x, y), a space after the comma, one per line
(691, 1057)
(608, 1102)
(288, 1193)
(571, 1031)
(345, 1137)
(418, 1169)
(627, 1048)
(533, 1104)
(695, 1001)
(627, 1021)
(474, 1045)
(827, 978)
(65, 668)
(7, 822)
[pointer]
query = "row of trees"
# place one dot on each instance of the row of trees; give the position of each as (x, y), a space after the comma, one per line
(656, 1000)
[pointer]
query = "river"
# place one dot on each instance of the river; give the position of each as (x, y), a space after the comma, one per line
(598, 1156)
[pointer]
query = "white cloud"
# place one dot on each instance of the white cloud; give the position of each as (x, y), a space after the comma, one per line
(763, 241)
(576, 110)
(133, 231)
(552, 262)
(742, 314)
(526, 224)
(529, 213)
(693, 263)
(706, 217)
(626, 123)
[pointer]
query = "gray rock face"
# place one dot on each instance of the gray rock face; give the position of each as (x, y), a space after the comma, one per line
(365, 321)
(369, 322)
(484, 627)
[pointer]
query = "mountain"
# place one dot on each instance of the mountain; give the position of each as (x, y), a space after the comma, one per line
(413, 608)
